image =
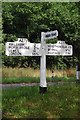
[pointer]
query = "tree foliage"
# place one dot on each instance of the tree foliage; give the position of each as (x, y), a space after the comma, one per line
(24, 19)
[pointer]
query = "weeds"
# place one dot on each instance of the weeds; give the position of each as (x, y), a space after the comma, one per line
(30, 72)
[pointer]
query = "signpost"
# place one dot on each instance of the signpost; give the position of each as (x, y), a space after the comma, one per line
(23, 47)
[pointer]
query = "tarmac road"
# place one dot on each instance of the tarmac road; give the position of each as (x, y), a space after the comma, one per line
(32, 84)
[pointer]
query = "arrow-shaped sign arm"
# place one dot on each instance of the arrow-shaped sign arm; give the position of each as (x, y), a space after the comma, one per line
(51, 34)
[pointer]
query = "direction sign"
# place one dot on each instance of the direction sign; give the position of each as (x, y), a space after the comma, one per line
(36, 49)
(23, 49)
(51, 34)
(60, 48)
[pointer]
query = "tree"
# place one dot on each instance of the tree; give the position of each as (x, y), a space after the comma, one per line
(30, 19)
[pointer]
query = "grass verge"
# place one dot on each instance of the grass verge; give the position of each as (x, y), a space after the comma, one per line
(26, 102)
(34, 79)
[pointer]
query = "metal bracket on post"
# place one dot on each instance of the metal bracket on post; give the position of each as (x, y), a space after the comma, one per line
(43, 84)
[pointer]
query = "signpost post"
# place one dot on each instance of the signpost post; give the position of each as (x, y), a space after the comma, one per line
(43, 84)
(44, 37)
(23, 47)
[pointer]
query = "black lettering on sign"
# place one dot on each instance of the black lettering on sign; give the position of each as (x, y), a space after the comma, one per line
(11, 43)
(26, 47)
(67, 50)
(20, 44)
(48, 49)
(15, 52)
(53, 34)
(69, 47)
(52, 46)
(49, 45)
(59, 42)
(10, 47)
(34, 53)
(65, 46)
(21, 40)
(48, 35)
(34, 48)
(59, 53)
(20, 47)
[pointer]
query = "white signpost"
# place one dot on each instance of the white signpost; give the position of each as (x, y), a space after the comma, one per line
(23, 47)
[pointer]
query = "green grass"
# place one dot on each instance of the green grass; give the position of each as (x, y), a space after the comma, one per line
(34, 79)
(20, 80)
(26, 102)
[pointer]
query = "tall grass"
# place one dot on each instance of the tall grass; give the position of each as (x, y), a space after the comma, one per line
(30, 72)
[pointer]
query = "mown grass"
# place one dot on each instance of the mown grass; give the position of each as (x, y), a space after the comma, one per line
(26, 102)
(35, 79)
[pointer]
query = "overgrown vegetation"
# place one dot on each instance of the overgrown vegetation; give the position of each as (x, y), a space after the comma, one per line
(30, 72)
(24, 19)
(29, 75)
(26, 102)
